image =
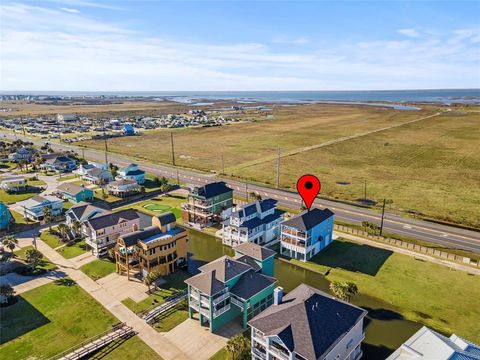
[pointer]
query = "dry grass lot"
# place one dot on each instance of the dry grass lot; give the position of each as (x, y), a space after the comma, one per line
(431, 167)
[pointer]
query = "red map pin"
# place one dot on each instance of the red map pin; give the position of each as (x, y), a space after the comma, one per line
(308, 186)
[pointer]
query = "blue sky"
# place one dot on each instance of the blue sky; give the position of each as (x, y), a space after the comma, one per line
(94, 45)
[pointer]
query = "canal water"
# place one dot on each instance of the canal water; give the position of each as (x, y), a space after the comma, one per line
(385, 329)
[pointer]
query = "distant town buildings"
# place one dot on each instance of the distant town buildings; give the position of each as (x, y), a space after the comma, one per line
(307, 324)
(305, 235)
(208, 204)
(427, 344)
(257, 222)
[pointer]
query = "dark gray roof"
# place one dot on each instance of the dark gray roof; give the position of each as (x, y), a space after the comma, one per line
(82, 209)
(213, 189)
(166, 218)
(132, 238)
(226, 268)
(104, 221)
(135, 172)
(70, 188)
(206, 282)
(308, 219)
(249, 261)
(267, 204)
(309, 321)
(251, 283)
(95, 171)
(255, 251)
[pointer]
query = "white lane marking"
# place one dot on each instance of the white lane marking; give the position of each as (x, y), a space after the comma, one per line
(407, 226)
(445, 235)
(286, 198)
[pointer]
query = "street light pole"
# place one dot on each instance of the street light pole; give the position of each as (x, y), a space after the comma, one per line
(383, 215)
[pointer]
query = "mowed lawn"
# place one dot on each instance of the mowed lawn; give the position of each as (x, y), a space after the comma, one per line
(50, 319)
(98, 268)
(133, 348)
(33, 189)
(159, 205)
(441, 298)
(430, 167)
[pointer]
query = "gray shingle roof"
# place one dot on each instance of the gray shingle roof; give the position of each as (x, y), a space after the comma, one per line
(213, 189)
(251, 283)
(308, 219)
(83, 208)
(206, 282)
(70, 188)
(104, 221)
(255, 251)
(226, 268)
(309, 321)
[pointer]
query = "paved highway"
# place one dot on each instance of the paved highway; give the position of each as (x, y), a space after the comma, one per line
(439, 234)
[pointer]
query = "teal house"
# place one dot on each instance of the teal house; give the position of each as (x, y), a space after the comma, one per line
(74, 193)
(5, 216)
(232, 288)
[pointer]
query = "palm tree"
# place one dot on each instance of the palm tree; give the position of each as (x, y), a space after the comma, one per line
(237, 347)
(76, 226)
(344, 291)
(148, 280)
(63, 230)
(33, 257)
(10, 242)
(6, 292)
(47, 214)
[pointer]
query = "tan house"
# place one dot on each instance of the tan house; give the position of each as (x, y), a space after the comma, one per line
(102, 232)
(162, 247)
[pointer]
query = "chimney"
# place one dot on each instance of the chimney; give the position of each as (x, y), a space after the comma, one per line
(277, 295)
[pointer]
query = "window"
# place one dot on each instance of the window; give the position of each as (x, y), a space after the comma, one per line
(152, 251)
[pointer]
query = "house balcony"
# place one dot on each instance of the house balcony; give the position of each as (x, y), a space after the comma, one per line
(195, 306)
(259, 352)
(278, 352)
(221, 298)
(196, 210)
(295, 233)
(298, 243)
(221, 311)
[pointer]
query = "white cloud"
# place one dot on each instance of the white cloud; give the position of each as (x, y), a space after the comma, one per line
(70, 10)
(412, 33)
(296, 41)
(77, 52)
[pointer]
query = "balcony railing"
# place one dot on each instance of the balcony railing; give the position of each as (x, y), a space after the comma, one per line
(289, 240)
(258, 353)
(236, 303)
(298, 234)
(221, 311)
(221, 298)
(280, 353)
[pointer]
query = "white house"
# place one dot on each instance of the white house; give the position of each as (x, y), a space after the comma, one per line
(58, 162)
(97, 176)
(257, 222)
(428, 344)
(13, 183)
(25, 153)
(307, 324)
(123, 187)
(131, 172)
(101, 232)
(33, 208)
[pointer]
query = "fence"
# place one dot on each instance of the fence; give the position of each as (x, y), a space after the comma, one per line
(409, 246)
(170, 303)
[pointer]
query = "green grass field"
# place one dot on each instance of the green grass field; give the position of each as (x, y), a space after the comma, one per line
(50, 319)
(159, 205)
(428, 167)
(32, 190)
(174, 283)
(133, 348)
(441, 298)
(45, 263)
(50, 239)
(71, 251)
(98, 268)
(172, 318)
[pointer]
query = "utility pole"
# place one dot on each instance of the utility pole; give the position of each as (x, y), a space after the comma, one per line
(83, 153)
(365, 198)
(246, 192)
(105, 140)
(23, 127)
(223, 166)
(178, 178)
(173, 149)
(58, 131)
(278, 166)
(383, 215)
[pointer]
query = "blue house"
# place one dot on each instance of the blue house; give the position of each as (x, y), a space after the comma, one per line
(305, 235)
(74, 193)
(131, 172)
(128, 129)
(5, 216)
